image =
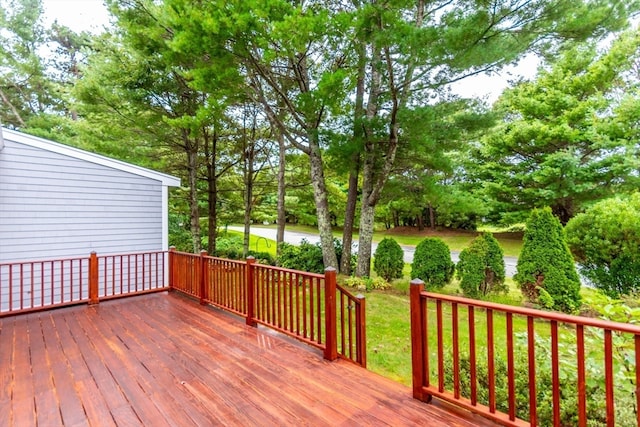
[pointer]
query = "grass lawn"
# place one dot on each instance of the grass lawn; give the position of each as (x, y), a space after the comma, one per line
(389, 329)
(456, 239)
(256, 243)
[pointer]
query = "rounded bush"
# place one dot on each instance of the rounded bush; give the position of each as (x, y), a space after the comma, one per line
(388, 259)
(432, 263)
(546, 263)
(306, 257)
(481, 267)
(605, 241)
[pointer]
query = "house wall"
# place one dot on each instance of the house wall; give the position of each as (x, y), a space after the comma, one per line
(55, 206)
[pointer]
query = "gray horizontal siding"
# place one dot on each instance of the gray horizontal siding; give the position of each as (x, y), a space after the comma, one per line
(54, 206)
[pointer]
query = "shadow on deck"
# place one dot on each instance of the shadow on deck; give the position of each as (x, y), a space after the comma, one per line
(162, 359)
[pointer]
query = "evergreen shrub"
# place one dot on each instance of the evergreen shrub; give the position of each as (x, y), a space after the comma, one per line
(388, 259)
(481, 267)
(306, 256)
(432, 263)
(545, 262)
(605, 241)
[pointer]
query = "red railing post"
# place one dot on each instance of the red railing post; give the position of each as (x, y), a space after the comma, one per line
(361, 331)
(250, 294)
(203, 273)
(172, 258)
(331, 341)
(418, 334)
(93, 279)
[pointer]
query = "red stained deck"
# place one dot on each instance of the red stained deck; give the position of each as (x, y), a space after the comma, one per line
(162, 359)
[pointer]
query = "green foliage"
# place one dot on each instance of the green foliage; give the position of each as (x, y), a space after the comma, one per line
(565, 139)
(179, 235)
(262, 257)
(306, 257)
(432, 263)
(544, 299)
(389, 259)
(367, 283)
(481, 267)
(230, 246)
(568, 383)
(545, 262)
(605, 241)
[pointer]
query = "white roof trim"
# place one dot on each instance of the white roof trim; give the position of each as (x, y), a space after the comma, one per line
(66, 150)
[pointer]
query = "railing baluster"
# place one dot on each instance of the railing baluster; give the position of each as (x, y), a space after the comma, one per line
(10, 287)
(342, 331)
(608, 376)
(349, 332)
(582, 400)
(511, 368)
(440, 346)
(312, 325)
(531, 358)
(61, 281)
(304, 306)
(52, 282)
(21, 286)
(293, 295)
(555, 372)
(491, 362)
(279, 290)
(472, 355)
(295, 319)
(42, 302)
(319, 307)
(456, 353)
(33, 291)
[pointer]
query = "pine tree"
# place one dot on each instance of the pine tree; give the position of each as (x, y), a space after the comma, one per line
(546, 272)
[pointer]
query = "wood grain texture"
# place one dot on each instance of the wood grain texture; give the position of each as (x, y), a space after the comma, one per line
(164, 360)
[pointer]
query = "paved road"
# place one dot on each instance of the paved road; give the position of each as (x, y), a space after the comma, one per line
(295, 237)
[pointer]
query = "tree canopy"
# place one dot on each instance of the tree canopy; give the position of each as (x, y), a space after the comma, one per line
(350, 107)
(564, 139)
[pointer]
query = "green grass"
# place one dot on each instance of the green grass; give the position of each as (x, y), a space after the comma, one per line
(457, 240)
(258, 244)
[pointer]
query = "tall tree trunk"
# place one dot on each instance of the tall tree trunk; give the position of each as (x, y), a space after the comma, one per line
(248, 157)
(378, 160)
(432, 217)
(192, 170)
(349, 216)
(212, 192)
(322, 206)
(367, 212)
(282, 191)
(358, 134)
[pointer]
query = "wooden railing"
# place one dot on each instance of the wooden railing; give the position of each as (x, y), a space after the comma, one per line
(309, 307)
(520, 366)
(41, 285)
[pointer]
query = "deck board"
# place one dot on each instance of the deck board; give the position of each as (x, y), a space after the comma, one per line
(164, 360)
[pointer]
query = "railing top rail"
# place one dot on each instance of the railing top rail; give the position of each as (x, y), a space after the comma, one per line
(226, 260)
(347, 293)
(183, 253)
(540, 314)
(37, 261)
(132, 254)
(288, 270)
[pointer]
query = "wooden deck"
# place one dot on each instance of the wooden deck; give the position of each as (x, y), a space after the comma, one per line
(164, 360)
